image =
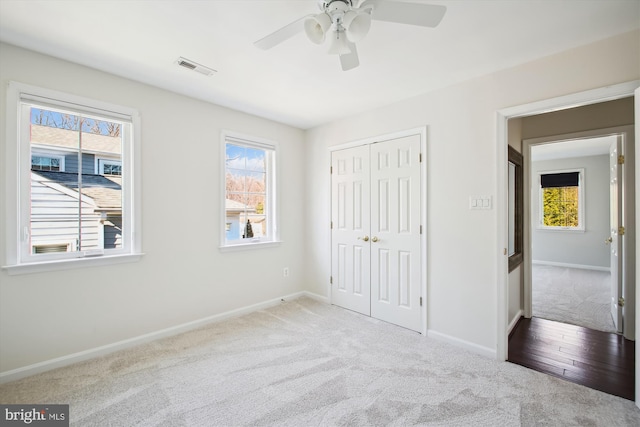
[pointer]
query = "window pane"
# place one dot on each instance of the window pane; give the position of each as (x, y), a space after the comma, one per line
(255, 159)
(560, 207)
(74, 208)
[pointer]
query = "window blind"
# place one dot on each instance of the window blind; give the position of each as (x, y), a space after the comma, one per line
(565, 179)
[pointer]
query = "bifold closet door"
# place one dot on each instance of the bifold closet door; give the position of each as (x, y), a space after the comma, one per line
(395, 232)
(350, 248)
(375, 247)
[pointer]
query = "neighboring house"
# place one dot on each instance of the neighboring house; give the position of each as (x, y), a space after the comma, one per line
(60, 183)
(237, 215)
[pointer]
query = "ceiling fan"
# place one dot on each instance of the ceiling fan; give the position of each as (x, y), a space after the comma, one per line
(345, 22)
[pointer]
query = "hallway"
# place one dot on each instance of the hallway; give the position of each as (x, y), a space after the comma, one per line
(595, 359)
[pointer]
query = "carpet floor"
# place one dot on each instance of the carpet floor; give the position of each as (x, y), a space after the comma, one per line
(571, 295)
(305, 363)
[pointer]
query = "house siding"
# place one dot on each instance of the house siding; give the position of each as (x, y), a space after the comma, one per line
(54, 218)
(71, 163)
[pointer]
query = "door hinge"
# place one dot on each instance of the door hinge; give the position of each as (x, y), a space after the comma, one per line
(420, 301)
(621, 302)
(421, 229)
(420, 157)
(620, 231)
(332, 225)
(331, 280)
(330, 170)
(621, 159)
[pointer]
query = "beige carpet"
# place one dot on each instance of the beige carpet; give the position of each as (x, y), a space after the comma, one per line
(571, 295)
(304, 363)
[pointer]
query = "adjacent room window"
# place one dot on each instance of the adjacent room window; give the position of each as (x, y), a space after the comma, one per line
(65, 207)
(562, 200)
(249, 180)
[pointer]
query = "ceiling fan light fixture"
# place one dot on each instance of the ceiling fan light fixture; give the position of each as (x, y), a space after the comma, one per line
(356, 24)
(316, 27)
(338, 43)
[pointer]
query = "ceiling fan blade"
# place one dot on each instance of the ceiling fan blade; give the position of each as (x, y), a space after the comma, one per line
(424, 15)
(350, 60)
(282, 34)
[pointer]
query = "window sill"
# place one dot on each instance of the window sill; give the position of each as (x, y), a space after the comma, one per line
(561, 229)
(249, 246)
(68, 264)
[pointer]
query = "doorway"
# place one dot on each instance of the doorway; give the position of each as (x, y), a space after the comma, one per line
(377, 229)
(565, 103)
(574, 209)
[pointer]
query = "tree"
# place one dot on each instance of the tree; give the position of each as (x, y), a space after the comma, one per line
(72, 122)
(560, 207)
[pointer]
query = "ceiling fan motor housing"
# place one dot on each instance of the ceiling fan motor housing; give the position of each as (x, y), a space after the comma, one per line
(342, 19)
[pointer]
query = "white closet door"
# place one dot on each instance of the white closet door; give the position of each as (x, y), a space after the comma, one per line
(350, 216)
(395, 232)
(375, 241)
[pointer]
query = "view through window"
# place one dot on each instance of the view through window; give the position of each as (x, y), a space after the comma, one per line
(249, 207)
(561, 199)
(75, 201)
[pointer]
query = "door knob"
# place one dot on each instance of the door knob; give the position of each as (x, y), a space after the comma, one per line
(608, 240)
(374, 239)
(365, 238)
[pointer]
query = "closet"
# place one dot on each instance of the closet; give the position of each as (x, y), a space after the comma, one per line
(376, 211)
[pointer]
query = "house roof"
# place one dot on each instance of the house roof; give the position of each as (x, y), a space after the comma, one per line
(64, 138)
(233, 206)
(105, 191)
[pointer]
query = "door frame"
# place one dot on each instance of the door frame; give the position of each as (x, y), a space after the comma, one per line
(602, 94)
(422, 132)
(527, 144)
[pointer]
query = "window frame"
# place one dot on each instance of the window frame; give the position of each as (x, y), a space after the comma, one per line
(581, 202)
(271, 211)
(19, 259)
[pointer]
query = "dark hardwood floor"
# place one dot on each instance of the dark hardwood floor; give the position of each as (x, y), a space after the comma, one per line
(599, 360)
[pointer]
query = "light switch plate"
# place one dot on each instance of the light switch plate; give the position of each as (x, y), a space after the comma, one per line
(480, 202)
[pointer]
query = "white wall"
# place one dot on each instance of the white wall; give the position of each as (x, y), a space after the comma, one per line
(461, 120)
(581, 248)
(183, 276)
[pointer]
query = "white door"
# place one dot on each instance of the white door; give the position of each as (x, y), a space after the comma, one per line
(375, 246)
(395, 231)
(615, 239)
(350, 219)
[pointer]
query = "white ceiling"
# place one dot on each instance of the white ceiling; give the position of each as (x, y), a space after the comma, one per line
(297, 82)
(573, 148)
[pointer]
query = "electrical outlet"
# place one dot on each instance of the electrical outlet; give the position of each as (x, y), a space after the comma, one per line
(285, 272)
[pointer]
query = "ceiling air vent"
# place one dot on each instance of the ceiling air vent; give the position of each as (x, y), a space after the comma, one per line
(194, 66)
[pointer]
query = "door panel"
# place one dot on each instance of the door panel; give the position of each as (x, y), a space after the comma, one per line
(615, 240)
(350, 263)
(395, 233)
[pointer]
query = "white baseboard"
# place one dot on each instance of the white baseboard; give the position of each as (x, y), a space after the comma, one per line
(567, 265)
(80, 356)
(475, 348)
(316, 297)
(514, 321)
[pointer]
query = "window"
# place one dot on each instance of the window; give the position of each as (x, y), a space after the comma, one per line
(561, 200)
(249, 179)
(64, 210)
(46, 162)
(109, 167)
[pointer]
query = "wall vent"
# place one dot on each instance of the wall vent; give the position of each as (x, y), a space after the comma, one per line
(194, 66)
